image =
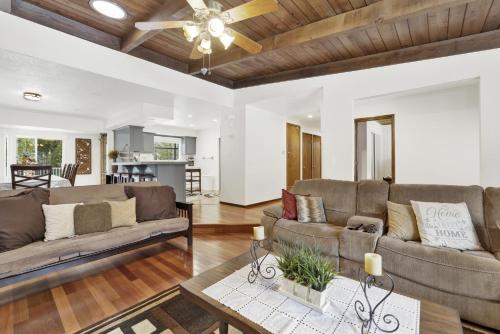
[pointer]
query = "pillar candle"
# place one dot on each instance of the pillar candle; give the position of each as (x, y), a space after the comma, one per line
(258, 233)
(373, 264)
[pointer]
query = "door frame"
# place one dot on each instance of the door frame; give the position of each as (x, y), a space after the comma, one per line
(287, 150)
(389, 117)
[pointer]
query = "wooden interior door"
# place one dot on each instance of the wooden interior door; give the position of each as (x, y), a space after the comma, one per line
(316, 157)
(307, 156)
(293, 154)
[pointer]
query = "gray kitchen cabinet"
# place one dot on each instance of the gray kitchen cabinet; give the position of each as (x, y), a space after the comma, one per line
(149, 142)
(129, 139)
(189, 147)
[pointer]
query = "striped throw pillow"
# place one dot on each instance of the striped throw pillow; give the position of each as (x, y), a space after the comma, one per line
(310, 209)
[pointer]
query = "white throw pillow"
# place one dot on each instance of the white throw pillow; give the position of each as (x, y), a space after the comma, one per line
(59, 221)
(446, 225)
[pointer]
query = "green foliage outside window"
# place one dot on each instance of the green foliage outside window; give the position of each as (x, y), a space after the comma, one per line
(166, 151)
(41, 151)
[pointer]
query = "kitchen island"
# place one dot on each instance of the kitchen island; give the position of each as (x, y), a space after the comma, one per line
(167, 172)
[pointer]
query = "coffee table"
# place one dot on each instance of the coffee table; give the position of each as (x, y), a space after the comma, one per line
(434, 318)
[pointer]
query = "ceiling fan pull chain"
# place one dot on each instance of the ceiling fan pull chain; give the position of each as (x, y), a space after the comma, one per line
(209, 64)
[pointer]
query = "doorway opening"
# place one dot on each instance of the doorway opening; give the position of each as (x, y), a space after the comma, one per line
(374, 157)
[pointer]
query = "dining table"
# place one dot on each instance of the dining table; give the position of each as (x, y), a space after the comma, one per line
(55, 182)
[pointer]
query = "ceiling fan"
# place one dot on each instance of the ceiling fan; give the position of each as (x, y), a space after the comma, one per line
(211, 22)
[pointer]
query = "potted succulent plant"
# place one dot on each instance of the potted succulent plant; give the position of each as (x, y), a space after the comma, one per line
(306, 274)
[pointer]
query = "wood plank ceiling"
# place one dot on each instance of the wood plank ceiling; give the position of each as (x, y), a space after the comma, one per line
(432, 28)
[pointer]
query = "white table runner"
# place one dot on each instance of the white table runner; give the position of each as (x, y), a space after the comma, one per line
(261, 303)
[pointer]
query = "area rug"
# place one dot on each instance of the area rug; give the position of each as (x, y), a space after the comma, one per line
(167, 312)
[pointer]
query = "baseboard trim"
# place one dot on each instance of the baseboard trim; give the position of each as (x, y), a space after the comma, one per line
(251, 205)
(223, 228)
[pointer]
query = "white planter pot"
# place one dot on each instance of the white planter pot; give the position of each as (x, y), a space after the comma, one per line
(301, 291)
(287, 285)
(316, 298)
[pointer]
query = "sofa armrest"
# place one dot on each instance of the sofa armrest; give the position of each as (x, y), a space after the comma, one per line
(186, 210)
(366, 221)
(275, 211)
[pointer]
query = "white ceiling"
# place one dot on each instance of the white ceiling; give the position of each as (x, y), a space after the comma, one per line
(71, 91)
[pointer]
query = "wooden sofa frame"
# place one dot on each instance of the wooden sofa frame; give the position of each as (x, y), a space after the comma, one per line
(184, 210)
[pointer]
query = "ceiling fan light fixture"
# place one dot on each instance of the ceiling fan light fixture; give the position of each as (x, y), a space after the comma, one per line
(216, 26)
(191, 31)
(206, 44)
(109, 9)
(226, 39)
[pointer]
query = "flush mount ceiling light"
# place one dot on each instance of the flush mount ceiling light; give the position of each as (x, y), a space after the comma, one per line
(30, 96)
(309, 116)
(109, 9)
(211, 23)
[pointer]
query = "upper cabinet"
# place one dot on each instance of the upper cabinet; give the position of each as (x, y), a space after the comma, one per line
(129, 139)
(189, 147)
(149, 142)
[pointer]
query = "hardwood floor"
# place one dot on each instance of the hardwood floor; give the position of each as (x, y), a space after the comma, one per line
(67, 301)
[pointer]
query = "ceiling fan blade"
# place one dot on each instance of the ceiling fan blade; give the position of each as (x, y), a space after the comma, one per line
(251, 9)
(244, 42)
(197, 4)
(195, 54)
(159, 25)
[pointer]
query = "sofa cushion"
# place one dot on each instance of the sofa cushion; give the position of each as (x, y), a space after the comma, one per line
(323, 236)
(153, 203)
(21, 218)
(492, 216)
(471, 195)
(289, 203)
(93, 194)
(41, 253)
(339, 197)
(59, 221)
(123, 213)
(91, 218)
(310, 209)
(445, 269)
(371, 199)
(402, 222)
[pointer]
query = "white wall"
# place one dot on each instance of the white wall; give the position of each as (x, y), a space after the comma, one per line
(207, 157)
(436, 134)
(265, 158)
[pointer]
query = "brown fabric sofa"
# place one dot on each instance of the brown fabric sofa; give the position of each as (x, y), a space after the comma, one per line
(468, 281)
(41, 257)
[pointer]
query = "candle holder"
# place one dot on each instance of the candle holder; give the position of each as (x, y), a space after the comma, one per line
(366, 314)
(256, 266)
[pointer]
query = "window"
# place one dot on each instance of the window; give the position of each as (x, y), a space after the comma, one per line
(167, 148)
(40, 151)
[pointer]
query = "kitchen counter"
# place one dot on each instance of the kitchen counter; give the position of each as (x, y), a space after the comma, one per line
(167, 172)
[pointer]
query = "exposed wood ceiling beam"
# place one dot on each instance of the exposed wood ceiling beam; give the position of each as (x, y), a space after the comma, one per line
(345, 23)
(471, 43)
(171, 10)
(5, 6)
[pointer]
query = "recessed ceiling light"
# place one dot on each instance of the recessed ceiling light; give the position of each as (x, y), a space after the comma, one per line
(215, 120)
(191, 125)
(109, 9)
(309, 116)
(30, 96)
(190, 116)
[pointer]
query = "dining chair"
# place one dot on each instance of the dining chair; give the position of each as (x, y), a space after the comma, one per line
(69, 172)
(31, 176)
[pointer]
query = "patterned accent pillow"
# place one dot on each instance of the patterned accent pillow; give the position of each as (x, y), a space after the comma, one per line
(446, 225)
(310, 209)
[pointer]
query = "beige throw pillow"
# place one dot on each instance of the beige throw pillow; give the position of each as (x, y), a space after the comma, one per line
(446, 225)
(123, 213)
(402, 222)
(59, 221)
(310, 209)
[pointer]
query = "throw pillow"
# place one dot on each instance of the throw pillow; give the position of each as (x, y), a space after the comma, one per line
(153, 203)
(91, 218)
(123, 213)
(310, 209)
(446, 225)
(59, 221)
(21, 218)
(289, 205)
(402, 222)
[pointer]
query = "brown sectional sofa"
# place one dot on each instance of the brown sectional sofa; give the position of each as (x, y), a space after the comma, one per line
(41, 257)
(468, 281)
